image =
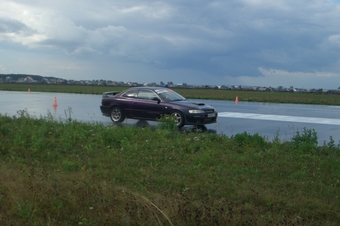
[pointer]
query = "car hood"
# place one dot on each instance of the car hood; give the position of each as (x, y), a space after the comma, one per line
(192, 104)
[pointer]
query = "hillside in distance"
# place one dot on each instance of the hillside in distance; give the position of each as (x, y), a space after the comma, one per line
(18, 76)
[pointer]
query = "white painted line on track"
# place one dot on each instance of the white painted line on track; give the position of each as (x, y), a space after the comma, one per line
(282, 118)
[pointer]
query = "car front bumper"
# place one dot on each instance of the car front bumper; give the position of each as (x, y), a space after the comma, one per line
(200, 119)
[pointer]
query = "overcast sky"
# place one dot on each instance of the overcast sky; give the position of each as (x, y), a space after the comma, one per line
(223, 42)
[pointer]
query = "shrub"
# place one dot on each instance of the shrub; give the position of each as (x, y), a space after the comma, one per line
(246, 139)
(306, 141)
(166, 122)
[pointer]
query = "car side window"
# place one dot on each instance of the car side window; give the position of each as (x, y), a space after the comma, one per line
(130, 94)
(146, 95)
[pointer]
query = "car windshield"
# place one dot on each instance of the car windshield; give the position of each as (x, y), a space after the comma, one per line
(169, 95)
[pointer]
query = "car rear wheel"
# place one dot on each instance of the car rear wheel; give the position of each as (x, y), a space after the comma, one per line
(178, 117)
(117, 114)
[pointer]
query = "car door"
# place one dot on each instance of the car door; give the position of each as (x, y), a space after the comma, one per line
(146, 105)
(126, 102)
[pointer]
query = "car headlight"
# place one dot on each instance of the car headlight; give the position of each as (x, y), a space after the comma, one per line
(196, 111)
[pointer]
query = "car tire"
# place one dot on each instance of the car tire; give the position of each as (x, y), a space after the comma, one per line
(179, 118)
(117, 114)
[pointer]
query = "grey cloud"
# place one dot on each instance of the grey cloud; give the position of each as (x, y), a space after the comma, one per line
(10, 25)
(221, 38)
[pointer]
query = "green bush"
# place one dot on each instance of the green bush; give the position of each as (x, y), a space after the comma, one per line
(246, 139)
(166, 122)
(307, 141)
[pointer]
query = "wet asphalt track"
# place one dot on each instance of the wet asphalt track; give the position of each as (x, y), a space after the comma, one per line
(268, 120)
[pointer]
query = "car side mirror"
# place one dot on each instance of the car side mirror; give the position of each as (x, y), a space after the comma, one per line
(156, 99)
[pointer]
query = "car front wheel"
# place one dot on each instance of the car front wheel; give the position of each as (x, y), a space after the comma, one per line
(117, 114)
(179, 118)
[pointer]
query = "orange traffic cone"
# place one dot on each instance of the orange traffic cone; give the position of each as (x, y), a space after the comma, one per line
(236, 99)
(55, 102)
(29, 90)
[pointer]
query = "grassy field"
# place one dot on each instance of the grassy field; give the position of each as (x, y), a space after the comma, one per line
(64, 172)
(254, 96)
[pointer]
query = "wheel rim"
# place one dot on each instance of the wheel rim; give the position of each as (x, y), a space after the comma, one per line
(178, 117)
(116, 115)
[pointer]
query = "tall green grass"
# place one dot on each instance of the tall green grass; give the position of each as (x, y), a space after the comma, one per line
(65, 172)
(216, 94)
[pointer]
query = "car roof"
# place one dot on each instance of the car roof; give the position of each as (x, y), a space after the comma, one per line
(148, 87)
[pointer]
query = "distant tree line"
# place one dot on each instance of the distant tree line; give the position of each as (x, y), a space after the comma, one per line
(18, 76)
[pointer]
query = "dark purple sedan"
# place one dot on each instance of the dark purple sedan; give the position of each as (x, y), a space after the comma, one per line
(150, 103)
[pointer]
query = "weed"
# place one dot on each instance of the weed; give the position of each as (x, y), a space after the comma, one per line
(68, 114)
(248, 140)
(166, 122)
(24, 209)
(307, 141)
